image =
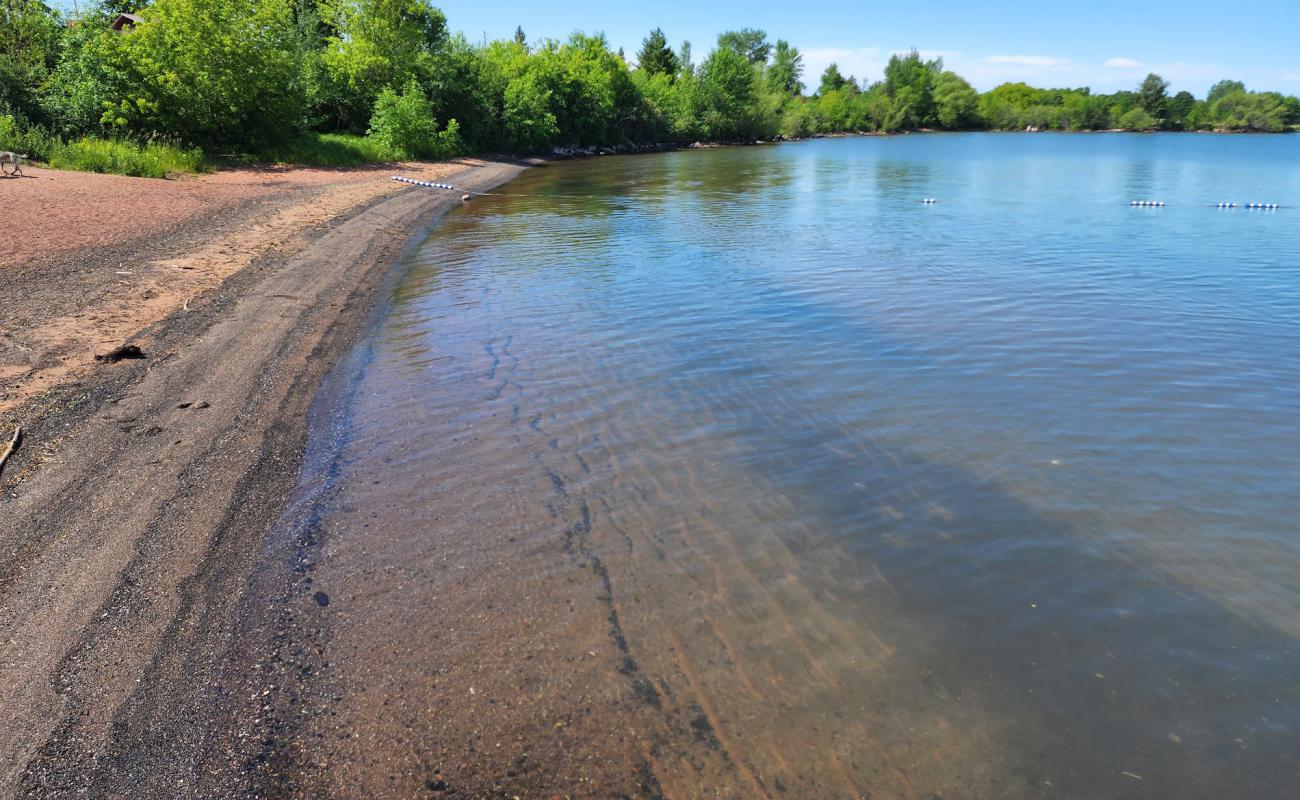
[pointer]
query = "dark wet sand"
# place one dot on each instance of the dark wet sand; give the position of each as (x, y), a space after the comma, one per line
(139, 505)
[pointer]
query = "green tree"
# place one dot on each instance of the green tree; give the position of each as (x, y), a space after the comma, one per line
(521, 38)
(956, 101)
(404, 125)
(376, 44)
(749, 42)
(30, 33)
(726, 93)
(684, 63)
(530, 124)
(1249, 111)
(1152, 95)
(1178, 109)
(205, 72)
(832, 80)
(655, 56)
(1218, 90)
(909, 83)
(785, 75)
(1138, 119)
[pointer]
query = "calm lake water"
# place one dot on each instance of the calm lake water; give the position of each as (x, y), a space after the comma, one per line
(997, 497)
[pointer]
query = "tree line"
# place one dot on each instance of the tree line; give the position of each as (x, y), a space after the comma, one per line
(244, 75)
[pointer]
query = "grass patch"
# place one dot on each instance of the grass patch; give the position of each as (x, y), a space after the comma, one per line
(123, 157)
(325, 150)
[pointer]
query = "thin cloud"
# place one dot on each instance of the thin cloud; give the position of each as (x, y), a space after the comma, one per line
(930, 55)
(862, 62)
(1123, 63)
(1027, 61)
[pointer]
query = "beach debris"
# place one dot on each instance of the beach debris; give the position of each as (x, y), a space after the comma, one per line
(321, 599)
(464, 198)
(14, 442)
(121, 353)
(1132, 775)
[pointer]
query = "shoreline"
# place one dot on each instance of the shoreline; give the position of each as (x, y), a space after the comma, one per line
(140, 502)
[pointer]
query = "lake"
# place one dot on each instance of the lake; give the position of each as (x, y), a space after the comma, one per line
(746, 473)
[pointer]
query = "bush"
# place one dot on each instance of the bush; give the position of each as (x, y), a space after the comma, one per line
(403, 124)
(1137, 119)
(34, 142)
(324, 150)
(123, 157)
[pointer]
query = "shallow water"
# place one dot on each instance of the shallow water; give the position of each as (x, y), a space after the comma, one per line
(801, 487)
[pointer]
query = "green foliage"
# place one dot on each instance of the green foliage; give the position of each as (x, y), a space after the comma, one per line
(29, 48)
(295, 80)
(36, 142)
(726, 94)
(530, 123)
(655, 56)
(785, 75)
(1137, 119)
(750, 43)
(832, 80)
(1153, 96)
(1218, 90)
(322, 150)
(403, 125)
(374, 44)
(909, 83)
(1178, 110)
(124, 157)
(202, 71)
(956, 102)
(1249, 111)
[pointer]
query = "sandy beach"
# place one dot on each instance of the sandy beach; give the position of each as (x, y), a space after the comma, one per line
(139, 501)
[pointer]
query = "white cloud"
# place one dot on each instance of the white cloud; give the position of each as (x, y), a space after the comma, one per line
(1123, 63)
(863, 63)
(930, 55)
(1027, 61)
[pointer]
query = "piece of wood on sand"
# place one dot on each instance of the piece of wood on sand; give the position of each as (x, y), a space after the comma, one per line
(13, 445)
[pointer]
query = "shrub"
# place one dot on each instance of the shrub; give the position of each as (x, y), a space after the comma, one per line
(323, 150)
(124, 157)
(1137, 119)
(34, 141)
(403, 124)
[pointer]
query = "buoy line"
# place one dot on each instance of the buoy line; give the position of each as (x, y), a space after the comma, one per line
(927, 201)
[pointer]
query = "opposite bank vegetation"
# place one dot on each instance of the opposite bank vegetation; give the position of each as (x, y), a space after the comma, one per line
(151, 88)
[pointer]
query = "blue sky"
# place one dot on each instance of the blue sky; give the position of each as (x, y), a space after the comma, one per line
(1107, 45)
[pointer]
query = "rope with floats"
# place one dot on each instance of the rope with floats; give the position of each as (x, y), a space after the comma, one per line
(467, 194)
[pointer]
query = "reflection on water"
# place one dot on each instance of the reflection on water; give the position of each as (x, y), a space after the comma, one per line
(743, 473)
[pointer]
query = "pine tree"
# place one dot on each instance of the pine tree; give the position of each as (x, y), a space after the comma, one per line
(520, 38)
(656, 56)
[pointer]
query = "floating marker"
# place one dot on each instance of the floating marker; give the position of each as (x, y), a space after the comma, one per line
(426, 184)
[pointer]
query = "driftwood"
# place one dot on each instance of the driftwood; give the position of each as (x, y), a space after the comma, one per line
(13, 445)
(120, 353)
